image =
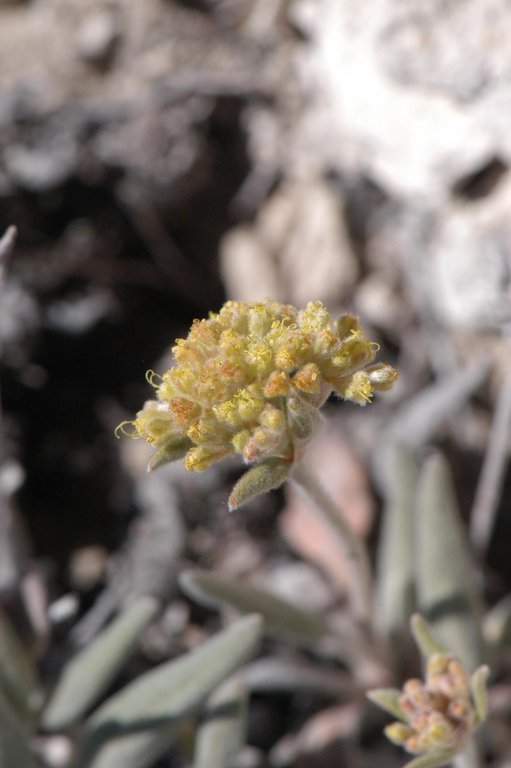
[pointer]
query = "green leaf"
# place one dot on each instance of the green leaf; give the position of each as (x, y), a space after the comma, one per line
(14, 739)
(270, 675)
(478, 687)
(264, 477)
(281, 618)
(497, 624)
(135, 726)
(172, 451)
(222, 732)
(92, 670)
(446, 592)
(394, 585)
(431, 761)
(424, 637)
(387, 699)
(16, 670)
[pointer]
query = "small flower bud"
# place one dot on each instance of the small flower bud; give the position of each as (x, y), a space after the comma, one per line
(382, 376)
(346, 325)
(278, 385)
(359, 389)
(200, 458)
(398, 733)
(308, 379)
(272, 420)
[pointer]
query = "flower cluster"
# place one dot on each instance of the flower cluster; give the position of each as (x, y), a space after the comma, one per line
(439, 714)
(251, 379)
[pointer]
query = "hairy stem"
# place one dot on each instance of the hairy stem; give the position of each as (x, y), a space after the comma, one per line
(351, 545)
(469, 758)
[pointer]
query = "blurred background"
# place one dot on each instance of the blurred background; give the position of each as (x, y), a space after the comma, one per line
(159, 157)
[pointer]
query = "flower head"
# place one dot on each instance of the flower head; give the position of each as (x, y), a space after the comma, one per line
(251, 379)
(438, 714)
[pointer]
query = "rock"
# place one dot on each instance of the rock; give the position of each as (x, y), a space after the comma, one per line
(98, 38)
(298, 248)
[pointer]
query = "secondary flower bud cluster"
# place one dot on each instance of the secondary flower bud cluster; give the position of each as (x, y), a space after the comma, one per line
(438, 714)
(251, 378)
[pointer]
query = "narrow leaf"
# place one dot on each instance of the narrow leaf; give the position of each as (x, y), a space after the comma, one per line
(281, 618)
(222, 732)
(264, 477)
(172, 451)
(394, 585)
(135, 726)
(387, 699)
(16, 670)
(479, 691)
(272, 675)
(424, 637)
(446, 592)
(92, 670)
(421, 417)
(497, 623)
(431, 761)
(14, 740)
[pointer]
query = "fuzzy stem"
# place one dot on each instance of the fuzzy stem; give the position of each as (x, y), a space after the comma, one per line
(469, 757)
(351, 545)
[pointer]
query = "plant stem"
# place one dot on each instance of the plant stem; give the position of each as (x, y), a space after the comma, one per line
(351, 545)
(469, 758)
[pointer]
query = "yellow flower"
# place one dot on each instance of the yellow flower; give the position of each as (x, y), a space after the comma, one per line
(237, 372)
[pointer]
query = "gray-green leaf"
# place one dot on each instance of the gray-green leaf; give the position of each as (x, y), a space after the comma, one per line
(14, 740)
(16, 670)
(264, 477)
(92, 670)
(394, 585)
(135, 726)
(172, 451)
(281, 618)
(447, 595)
(222, 731)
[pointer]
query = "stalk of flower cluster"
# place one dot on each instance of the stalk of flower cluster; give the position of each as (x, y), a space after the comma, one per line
(469, 758)
(353, 547)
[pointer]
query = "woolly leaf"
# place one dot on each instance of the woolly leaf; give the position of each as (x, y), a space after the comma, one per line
(171, 451)
(16, 671)
(222, 732)
(92, 670)
(14, 740)
(281, 618)
(479, 691)
(387, 699)
(266, 476)
(424, 637)
(394, 585)
(446, 592)
(434, 760)
(135, 726)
